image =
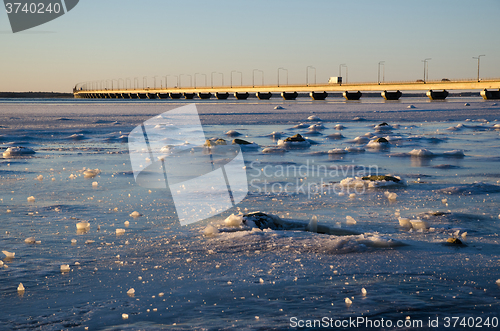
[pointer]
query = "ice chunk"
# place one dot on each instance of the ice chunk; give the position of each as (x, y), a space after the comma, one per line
(233, 220)
(120, 232)
(498, 282)
(31, 199)
(404, 222)
(65, 268)
(421, 153)
(125, 316)
(454, 153)
(391, 196)
(73, 241)
(189, 260)
(135, 214)
(313, 225)
(337, 151)
(210, 230)
(18, 151)
(39, 177)
(30, 240)
(21, 288)
(9, 255)
(313, 118)
(126, 223)
(348, 302)
(95, 184)
(350, 220)
(273, 150)
(419, 224)
(1, 263)
(233, 133)
(131, 292)
(83, 225)
(363, 291)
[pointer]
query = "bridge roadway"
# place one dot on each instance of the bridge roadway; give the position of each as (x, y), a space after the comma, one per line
(490, 89)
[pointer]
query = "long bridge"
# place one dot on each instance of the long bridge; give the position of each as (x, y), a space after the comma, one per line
(436, 90)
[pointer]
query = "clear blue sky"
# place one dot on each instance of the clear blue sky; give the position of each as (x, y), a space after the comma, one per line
(105, 39)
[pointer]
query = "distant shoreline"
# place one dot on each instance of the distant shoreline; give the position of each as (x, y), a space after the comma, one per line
(36, 95)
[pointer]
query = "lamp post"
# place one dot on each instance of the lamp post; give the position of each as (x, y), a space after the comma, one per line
(307, 75)
(340, 71)
(144, 82)
(381, 63)
(279, 75)
(253, 76)
(426, 68)
(241, 77)
(478, 59)
(212, 78)
(154, 79)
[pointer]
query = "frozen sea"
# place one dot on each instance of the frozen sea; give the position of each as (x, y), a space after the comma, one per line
(447, 155)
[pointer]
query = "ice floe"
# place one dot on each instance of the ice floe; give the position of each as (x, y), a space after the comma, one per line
(9, 255)
(233, 133)
(294, 142)
(471, 189)
(18, 151)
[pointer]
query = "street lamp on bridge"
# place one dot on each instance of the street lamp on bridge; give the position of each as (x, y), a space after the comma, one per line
(195, 79)
(381, 63)
(241, 77)
(343, 65)
(426, 68)
(253, 76)
(307, 75)
(279, 75)
(212, 78)
(478, 58)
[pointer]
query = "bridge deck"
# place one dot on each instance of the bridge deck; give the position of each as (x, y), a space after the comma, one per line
(402, 86)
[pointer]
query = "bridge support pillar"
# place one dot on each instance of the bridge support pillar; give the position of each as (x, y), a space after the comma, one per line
(175, 95)
(202, 95)
(142, 95)
(125, 96)
(221, 95)
(318, 95)
(189, 95)
(162, 95)
(352, 95)
(289, 95)
(264, 95)
(437, 95)
(133, 95)
(391, 95)
(152, 96)
(241, 95)
(488, 95)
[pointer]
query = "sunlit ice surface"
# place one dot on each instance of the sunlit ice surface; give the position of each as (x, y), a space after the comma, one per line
(185, 277)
